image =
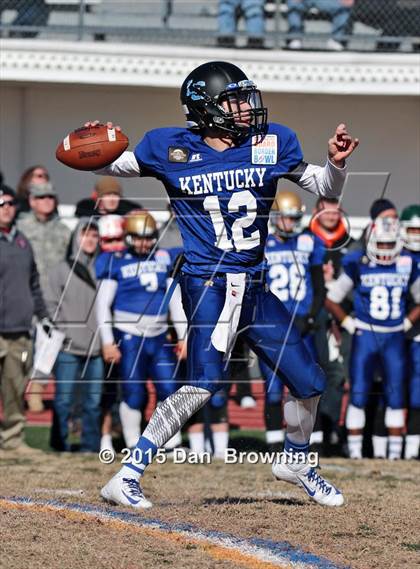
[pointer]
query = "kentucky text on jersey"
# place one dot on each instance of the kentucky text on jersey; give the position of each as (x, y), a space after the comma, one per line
(384, 280)
(217, 181)
(142, 280)
(137, 267)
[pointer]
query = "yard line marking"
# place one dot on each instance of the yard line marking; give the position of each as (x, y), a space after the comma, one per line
(253, 553)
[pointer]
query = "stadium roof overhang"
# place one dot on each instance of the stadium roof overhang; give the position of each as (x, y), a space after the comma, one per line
(46, 61)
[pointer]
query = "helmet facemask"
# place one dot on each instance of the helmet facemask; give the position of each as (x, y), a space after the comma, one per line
(287, 205)
(141, 232)
(384, 241)
(281, 229)
(237, 111)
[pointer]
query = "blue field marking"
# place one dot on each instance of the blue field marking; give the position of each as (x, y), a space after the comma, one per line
(277, 552)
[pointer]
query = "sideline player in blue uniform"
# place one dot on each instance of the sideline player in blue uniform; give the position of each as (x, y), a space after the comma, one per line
(382, 277)
(221, 175)
(410, 224)
(295, 275)
(133, 319)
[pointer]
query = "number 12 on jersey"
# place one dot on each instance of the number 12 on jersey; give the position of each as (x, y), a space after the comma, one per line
(238, 241)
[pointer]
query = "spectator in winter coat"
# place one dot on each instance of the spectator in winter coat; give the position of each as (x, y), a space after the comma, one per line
(70, 298)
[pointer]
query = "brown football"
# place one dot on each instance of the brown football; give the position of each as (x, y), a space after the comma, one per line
(92, 147)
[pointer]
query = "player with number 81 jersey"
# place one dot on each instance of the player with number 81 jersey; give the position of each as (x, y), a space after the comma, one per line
(381, 277)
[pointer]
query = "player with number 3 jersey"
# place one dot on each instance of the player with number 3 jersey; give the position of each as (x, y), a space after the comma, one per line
(221, 175)
(132, 313)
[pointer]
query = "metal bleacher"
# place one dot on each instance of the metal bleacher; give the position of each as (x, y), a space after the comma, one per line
(377, 24)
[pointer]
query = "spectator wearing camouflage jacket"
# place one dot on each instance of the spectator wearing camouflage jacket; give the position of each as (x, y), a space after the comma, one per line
(49, 238)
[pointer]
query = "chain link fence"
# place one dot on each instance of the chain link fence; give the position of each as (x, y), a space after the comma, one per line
(370, 25)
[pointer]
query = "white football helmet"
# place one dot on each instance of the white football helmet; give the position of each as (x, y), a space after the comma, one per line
(383, 240)
(111, 232)
(410, 227)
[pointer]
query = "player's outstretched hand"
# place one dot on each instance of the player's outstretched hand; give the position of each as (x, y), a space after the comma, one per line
(108, 124)
(341, 145)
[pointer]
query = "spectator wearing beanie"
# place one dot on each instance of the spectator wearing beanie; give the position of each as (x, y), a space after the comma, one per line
(106, 199)
(381, 207)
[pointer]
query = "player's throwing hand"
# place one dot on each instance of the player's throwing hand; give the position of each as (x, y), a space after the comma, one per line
(341, 145)
(109, 124)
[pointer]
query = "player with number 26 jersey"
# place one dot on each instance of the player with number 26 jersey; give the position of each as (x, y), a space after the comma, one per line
(289, 269)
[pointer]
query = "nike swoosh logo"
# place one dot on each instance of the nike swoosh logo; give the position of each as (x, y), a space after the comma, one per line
(308, 490)
(130, 499)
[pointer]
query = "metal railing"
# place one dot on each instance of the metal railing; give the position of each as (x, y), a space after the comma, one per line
(379, 25)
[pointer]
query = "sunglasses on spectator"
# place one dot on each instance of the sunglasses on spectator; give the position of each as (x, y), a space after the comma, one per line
(48, 196)
(10, 203)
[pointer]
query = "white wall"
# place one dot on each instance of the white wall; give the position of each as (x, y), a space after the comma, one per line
(34, 118)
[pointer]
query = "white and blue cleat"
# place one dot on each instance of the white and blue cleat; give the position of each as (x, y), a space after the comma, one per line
(316, 487)
(125, 491)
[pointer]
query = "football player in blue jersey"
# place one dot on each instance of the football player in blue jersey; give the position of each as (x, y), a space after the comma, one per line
(133, 319)
(221, 174)
(410, 223)
(382, 277)
(295, 275)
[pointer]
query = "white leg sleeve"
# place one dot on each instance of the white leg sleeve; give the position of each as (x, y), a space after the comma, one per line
(300, 415)
(170, 415)
(130, 422)
(196, 441)
(395, 445)
(174, 441)
(394, 418)
(380, 445)
(355, 418)
(220, 441)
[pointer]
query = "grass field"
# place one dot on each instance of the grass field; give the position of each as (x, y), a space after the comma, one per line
(376, 527)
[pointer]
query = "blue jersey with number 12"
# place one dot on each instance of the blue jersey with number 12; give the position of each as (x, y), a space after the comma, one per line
(221, 199)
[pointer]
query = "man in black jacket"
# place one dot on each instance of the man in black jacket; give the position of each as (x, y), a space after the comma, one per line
(20, 299)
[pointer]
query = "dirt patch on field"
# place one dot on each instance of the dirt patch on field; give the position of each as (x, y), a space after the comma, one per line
(376, 527)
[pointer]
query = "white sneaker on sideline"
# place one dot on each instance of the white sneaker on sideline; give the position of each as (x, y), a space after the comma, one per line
(125, 491)
(307, 478)
(334, 45)
(248, 402)
(295, 44)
